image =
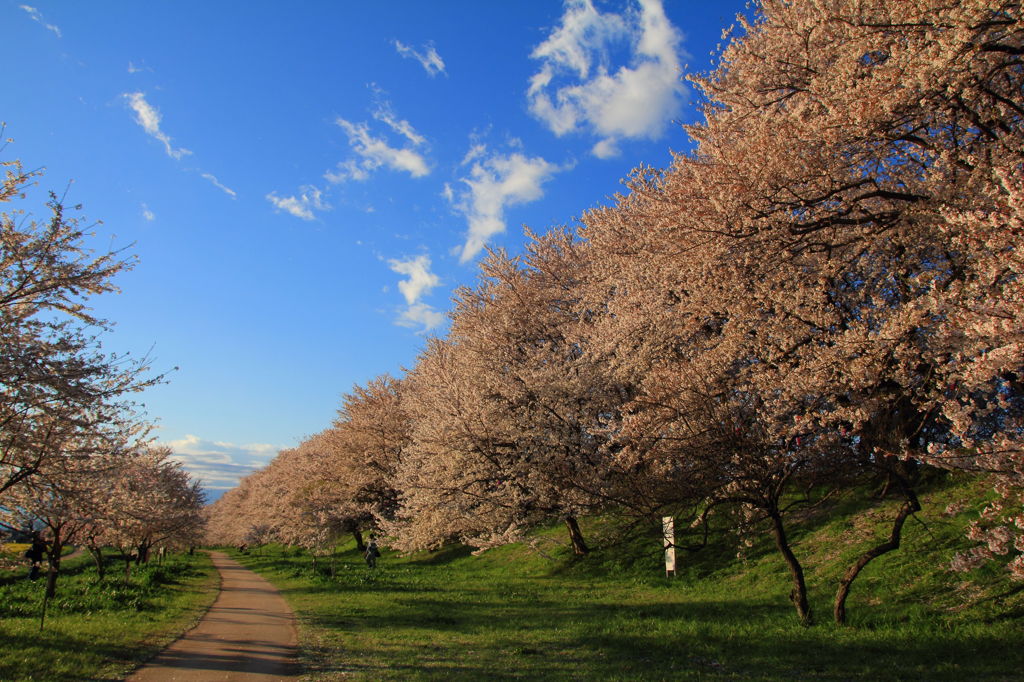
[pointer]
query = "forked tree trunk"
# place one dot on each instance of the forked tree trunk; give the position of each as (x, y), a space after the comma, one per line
(97, 556)
(798, 595)
(893, 543)
(360, 545)
(579, 546)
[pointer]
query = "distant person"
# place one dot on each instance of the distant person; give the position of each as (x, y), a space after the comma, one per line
(372, 553)
(34, 554)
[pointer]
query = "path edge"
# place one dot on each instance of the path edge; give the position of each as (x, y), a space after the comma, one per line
(192, 624)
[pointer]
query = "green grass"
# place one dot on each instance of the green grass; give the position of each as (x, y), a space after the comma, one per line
(99, 630)
(514, 612)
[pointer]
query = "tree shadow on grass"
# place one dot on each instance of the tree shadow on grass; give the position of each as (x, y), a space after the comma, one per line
(35, 659)
(717, 640)
(444, 555)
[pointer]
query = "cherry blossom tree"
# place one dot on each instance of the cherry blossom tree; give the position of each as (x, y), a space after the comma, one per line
(368, 439)
(152, 501)
(60, 508)
(806, 257)
(897, 185)
(227, 521)
(56, 383)
(509, 411)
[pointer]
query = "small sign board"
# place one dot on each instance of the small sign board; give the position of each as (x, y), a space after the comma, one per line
(668, 531)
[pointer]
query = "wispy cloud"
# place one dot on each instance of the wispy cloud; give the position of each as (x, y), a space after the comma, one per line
(493, 184)
(149, 118)
(375, 151)
(216, 183)
(385, 115)
(420, 281)
(219, 465)
(147, 214)
(302, 206)
(576, 88)
(38, 17)
(133, 68)
(474, 153)
(428, 57)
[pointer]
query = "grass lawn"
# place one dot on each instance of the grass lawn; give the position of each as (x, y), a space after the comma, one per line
(516, 612)
(99, 630)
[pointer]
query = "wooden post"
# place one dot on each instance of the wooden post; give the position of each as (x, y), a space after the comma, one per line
(668, 531)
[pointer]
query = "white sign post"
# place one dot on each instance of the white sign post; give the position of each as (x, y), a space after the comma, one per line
(668, 531)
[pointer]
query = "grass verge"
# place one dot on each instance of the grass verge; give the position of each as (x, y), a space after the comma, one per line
(520, 613)
(100, 630)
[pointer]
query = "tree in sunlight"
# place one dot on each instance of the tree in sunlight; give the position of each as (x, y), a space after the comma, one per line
(55, 381)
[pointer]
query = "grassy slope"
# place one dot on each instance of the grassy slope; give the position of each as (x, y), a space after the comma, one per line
(99, 631)
(514, 612)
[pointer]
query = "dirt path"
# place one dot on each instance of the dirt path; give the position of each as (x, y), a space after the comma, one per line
(248, 634)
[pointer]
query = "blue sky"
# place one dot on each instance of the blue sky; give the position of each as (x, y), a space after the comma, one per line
(305, 184)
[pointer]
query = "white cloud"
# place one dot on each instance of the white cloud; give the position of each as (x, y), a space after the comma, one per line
(310, 198)
(385, 115)
(421, 279)
(421, 315)
(149, 118)
(350, 169)
(429, 59)
(474, 153)
(148, 214)
(217, 464)
(216, 183)
(605, 149)
(37, 16)
(375, 152)
(575, 88)
(493, 184)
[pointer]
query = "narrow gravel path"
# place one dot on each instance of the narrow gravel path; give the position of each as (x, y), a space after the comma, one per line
(248, 634)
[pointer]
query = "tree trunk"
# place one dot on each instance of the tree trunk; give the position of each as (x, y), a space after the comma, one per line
(360, 545)
(579, 547)
(97, 556)
(799, 593)
(893, 543)
(54, 570)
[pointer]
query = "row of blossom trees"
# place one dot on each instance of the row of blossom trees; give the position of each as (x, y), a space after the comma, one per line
(826, 291)
(75, 465)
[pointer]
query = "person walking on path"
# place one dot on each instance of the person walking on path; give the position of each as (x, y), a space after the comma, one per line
(372, 553)
(248, 635)
(34, 554)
